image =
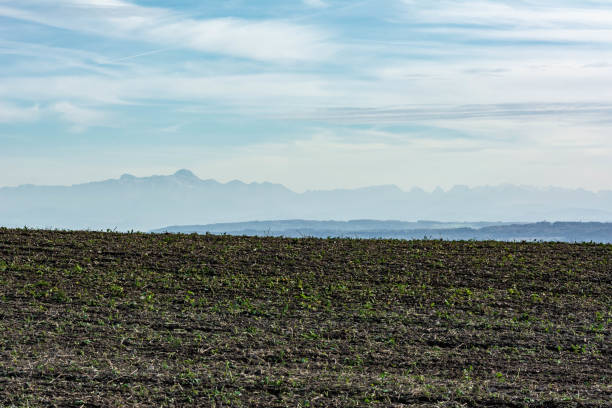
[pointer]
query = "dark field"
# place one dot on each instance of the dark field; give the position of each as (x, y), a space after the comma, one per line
(107, 319)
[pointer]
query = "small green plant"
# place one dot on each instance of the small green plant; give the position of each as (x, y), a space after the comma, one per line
(513, 291)
(116, 290)
(578, 348)
(190, 298)
(467, 373)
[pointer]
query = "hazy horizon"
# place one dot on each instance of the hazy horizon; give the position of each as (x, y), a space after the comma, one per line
(406, 190)
(144, 203)
(310, 94)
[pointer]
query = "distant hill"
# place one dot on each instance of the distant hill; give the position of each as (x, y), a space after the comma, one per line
(541, 231)
(144, 203)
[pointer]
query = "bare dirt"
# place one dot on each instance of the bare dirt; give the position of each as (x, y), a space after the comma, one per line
(98, 319)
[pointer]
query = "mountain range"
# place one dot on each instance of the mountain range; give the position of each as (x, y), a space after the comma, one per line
(145, 203)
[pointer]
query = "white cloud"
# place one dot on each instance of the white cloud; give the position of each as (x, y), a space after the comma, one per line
(591, 36)
(387, 94)
(80, 118)
(316, 3)
(12, 114)
(511, 20)
(25, 58)
(268, 40)
(516, 14)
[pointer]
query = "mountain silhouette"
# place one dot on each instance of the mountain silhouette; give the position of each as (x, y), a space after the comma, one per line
(145, 203)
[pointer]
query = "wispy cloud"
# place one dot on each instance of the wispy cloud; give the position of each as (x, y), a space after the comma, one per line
(512, 20)
(38, 59)
(316, 3)
(268, 40)
(80, 118)
(420, 113)
(13, 114)
(513, 13)
(140, 54)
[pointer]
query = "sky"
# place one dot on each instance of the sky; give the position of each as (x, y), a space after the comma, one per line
(312, 94)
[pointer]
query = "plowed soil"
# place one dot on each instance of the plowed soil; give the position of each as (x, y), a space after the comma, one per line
(99, 319)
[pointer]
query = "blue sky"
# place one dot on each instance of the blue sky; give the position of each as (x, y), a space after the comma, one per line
(312, 94)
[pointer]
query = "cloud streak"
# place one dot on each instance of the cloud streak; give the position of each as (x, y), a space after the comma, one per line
(419, 113)
(511, 20)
